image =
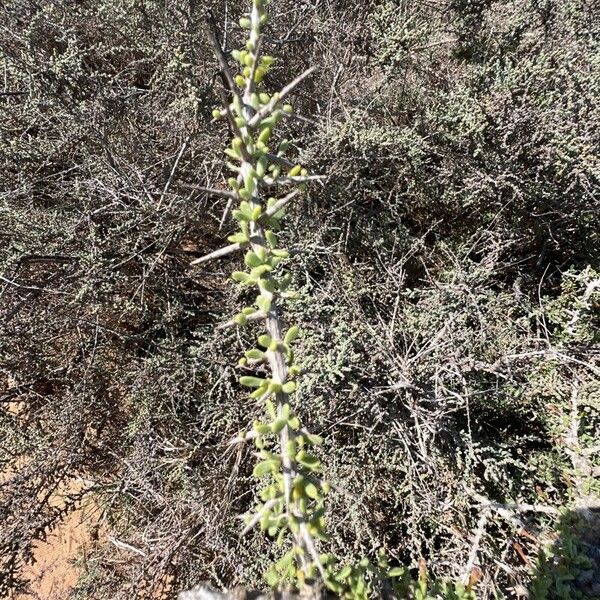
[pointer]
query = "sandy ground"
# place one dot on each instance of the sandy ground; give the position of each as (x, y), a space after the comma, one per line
(60, 560)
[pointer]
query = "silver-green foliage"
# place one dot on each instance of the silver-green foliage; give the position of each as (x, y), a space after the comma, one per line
(290, 502)
(291, 499)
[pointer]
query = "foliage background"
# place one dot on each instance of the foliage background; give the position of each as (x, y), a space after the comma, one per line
(448, 270)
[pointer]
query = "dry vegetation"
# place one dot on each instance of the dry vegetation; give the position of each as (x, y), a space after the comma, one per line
(448, 268)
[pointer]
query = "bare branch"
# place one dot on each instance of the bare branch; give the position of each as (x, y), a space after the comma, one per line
(280, 160)
(217, 254)
(277, 98)
(173, 170)
(212, 34)
(211, 191)
(510, 509)
(257, 517)
(256, 316)
(281, 203)
(295, 180)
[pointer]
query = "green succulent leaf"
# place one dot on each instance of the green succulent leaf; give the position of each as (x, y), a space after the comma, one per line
(292, 334)
(252, 260)
(254, 354)
(289, 387)
(253, 382)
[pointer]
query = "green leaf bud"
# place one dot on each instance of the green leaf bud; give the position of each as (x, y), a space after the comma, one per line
(259, 271)
(396, 572)
(259, 392)
(291, 449)
(237, 144)
(280, 252)
(240, 80)
(271, 410)
(272, 577)
(269, 284)
(269, 122)
(264, 98)
(267, 60)
(265, 519)
(240, 122)
(265, 467)
(257, 211)
(265, 135)
(294, 525)
(308, 460)
(261, 428)
(295, 171)
(245, 23)
(292, 334)
(289, 387)
(291, 295)
(261, 167)
(274, 387)
(253, 382)
(314, 440)
(259, 75)
(311, 490)
(261, 252)
(246, 209)
(240, 319)
(250, 182)
(238, 238)
(278, 425)
(254, 354)
(263, 303)
(288, 109)
(255, 101)
(232, 154)
(271, 238)
(252, 260)
(216, 113)
(264, 340)
(240, 276)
